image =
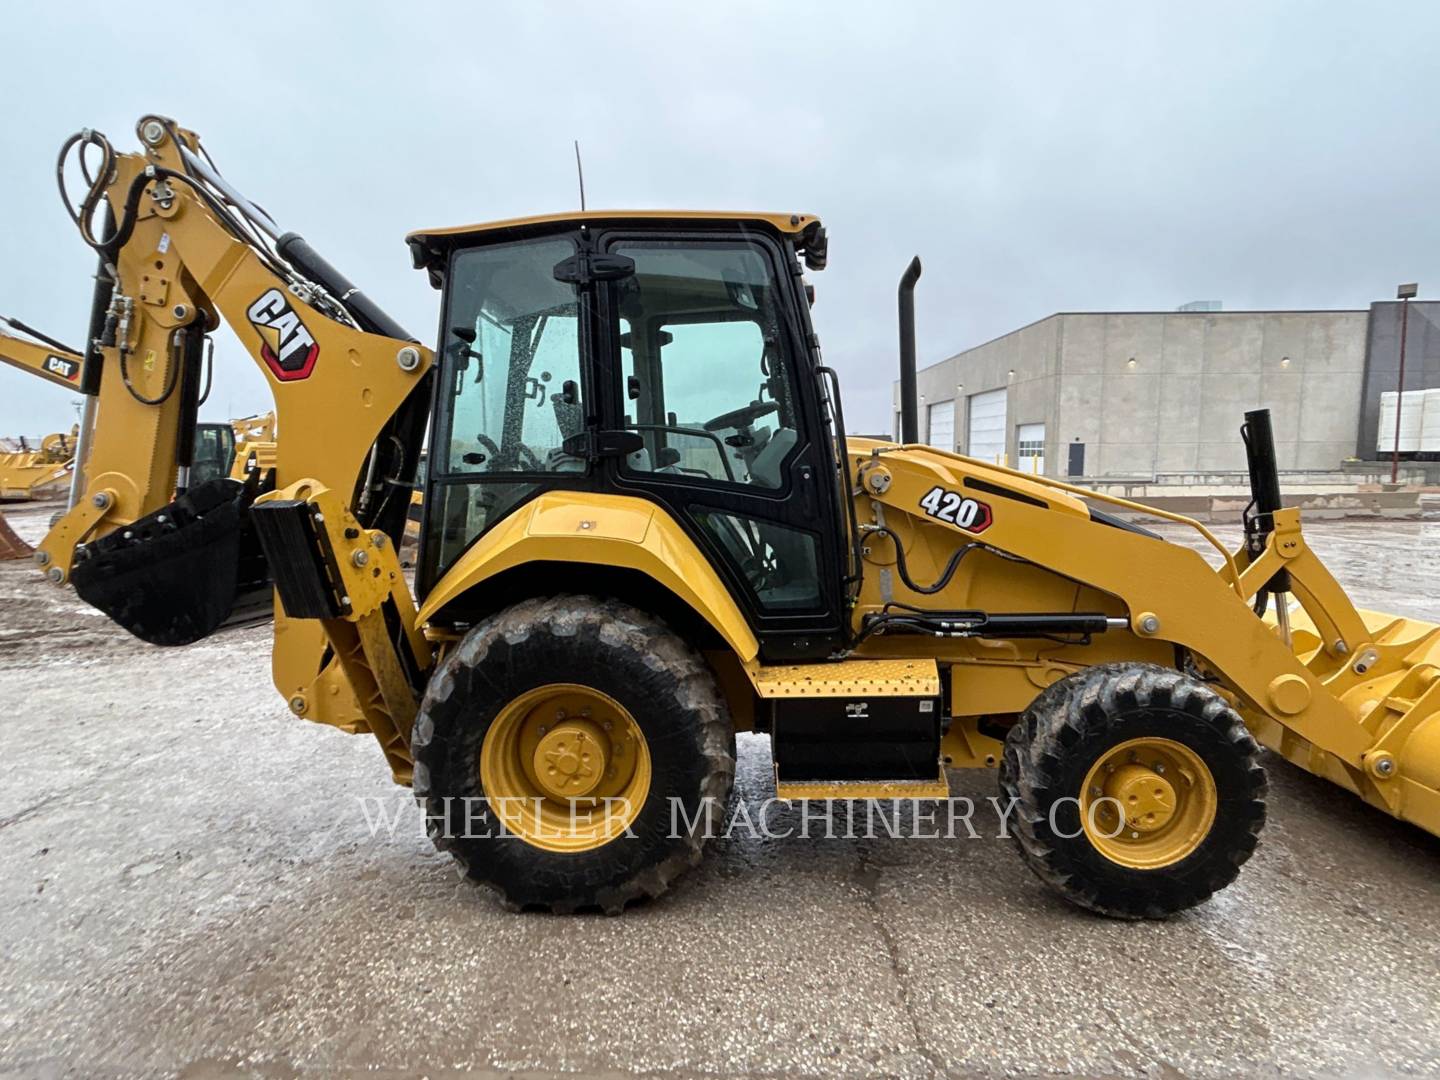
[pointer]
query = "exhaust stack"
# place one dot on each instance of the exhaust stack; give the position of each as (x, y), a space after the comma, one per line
(1259, 437)
(909, 407)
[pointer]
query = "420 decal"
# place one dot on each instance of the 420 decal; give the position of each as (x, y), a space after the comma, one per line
(955, 509)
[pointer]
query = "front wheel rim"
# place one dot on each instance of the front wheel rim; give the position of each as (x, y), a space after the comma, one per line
(565, 767)
(1148, 802)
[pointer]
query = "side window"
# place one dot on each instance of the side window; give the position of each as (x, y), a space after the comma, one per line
(214, 449)
(780, 563)
(512, 362)
(707, 382)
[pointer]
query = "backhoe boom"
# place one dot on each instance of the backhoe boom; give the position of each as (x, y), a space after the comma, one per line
(351, 394)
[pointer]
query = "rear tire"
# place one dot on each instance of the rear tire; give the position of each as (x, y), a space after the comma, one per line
(1088, 744)
(648, 675)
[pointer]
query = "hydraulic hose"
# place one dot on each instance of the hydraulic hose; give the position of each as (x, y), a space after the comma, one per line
(945, 575)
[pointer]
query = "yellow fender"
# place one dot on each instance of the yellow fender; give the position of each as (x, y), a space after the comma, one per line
(605, 530)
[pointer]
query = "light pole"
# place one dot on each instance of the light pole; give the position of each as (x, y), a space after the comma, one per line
(1403, 294)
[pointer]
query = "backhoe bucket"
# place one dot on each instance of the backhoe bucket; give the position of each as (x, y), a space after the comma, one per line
(179, 574)
(11, 546)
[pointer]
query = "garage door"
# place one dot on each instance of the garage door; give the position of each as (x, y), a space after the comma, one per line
(1030, 448)
(987, 425)
(940, 431)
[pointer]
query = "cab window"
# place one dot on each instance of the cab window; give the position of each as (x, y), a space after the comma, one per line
(510, 392)
(513, 362)
(703, 362)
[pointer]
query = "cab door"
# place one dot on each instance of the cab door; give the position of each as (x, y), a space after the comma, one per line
(707, 363)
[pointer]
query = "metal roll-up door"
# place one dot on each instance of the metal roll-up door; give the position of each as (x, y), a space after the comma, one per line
(987, 426)
(940, 430)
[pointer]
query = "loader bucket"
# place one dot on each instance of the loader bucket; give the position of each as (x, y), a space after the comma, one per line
(1391, 687)
(178, 574)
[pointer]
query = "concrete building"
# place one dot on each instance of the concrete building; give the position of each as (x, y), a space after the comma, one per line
(1149, 395)
(1382, 363)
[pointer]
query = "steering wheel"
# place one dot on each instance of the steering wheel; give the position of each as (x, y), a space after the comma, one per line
(742, 417)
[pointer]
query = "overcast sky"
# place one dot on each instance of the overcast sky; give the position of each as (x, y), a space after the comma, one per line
(1038, 157)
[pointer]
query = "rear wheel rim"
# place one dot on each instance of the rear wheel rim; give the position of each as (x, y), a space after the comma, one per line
(1148, 802)
(565, 767)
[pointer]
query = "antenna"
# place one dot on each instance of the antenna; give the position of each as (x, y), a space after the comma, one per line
(580, 172)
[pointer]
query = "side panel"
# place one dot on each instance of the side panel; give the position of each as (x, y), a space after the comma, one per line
(606, 530)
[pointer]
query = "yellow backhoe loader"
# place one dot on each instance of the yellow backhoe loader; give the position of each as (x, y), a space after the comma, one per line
(644, 529)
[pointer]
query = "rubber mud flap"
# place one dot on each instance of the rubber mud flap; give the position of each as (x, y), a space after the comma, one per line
(172, 577)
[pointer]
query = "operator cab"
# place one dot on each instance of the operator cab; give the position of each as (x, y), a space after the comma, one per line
(214, 453)
(663, 356)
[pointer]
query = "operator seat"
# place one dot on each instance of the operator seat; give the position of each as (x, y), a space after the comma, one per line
(765, 469)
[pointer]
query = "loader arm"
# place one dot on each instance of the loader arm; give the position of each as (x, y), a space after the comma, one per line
(350, 389)
(1346, 694)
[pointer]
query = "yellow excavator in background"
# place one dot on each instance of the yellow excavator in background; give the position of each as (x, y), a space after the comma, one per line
(644, 529)
(30, 472)
(38, 354)
(27, 473)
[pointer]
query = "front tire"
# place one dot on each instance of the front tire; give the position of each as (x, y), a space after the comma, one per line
(573, 753)
(1138, 790)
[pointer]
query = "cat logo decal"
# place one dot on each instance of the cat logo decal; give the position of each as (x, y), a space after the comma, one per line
(286, 346)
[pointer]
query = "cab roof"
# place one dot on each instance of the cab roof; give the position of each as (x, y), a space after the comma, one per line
(427, 245)
(786, 223)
